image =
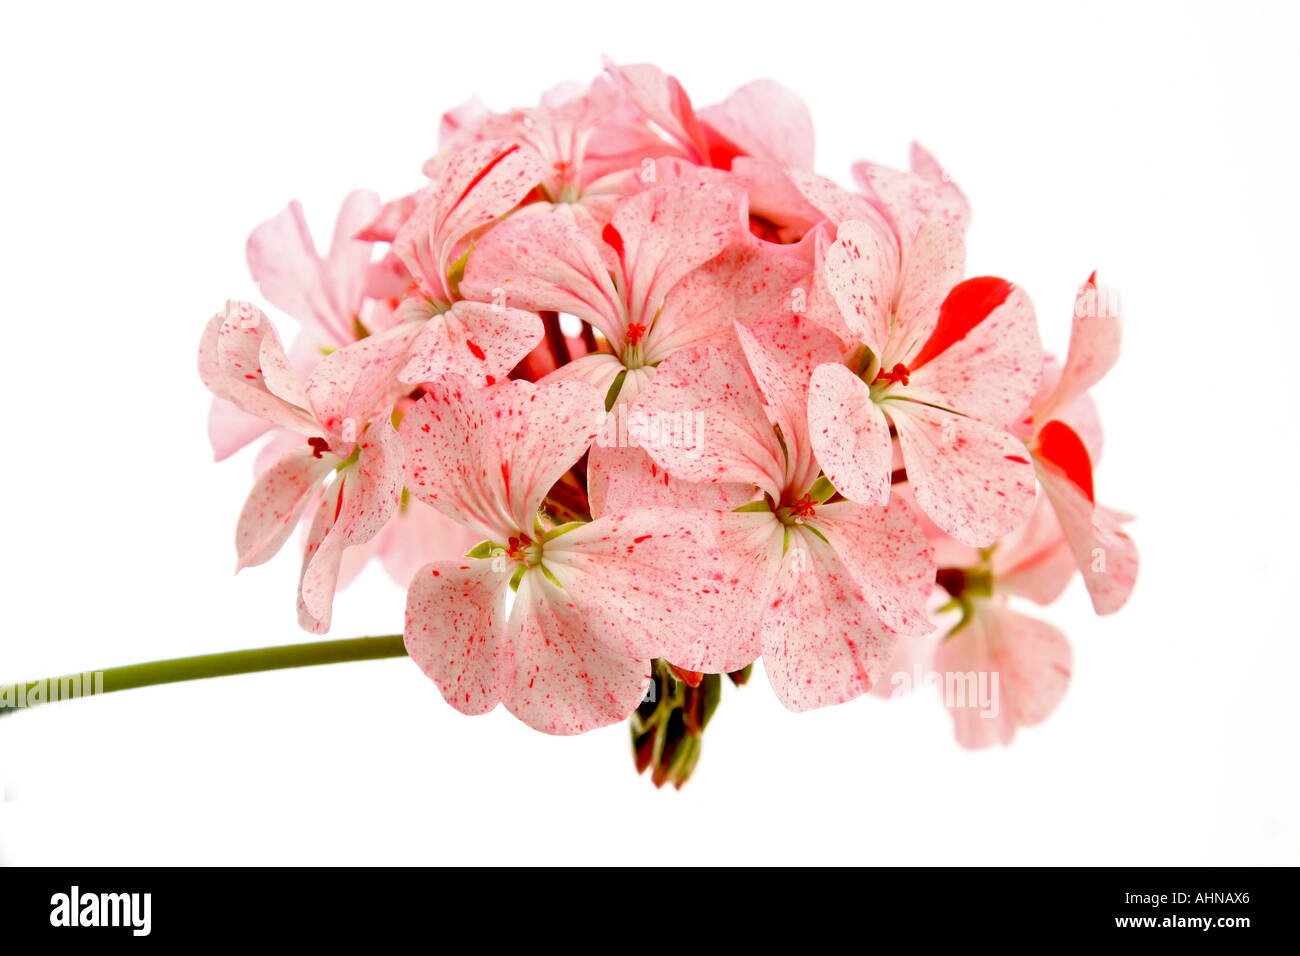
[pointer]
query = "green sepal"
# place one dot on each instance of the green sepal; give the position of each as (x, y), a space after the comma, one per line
(822, 490)
(456, 272)
(615, 387)
(561, 529)
(484, 549)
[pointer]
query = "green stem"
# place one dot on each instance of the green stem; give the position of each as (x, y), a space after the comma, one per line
(19, 696)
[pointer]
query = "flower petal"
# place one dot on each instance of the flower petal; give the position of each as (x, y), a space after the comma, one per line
(566, 680)
(471, 188)
(477, 341)
(860, 275)
(764, 120)
(544, 261)
(276, 502)
(367, 497)
(664, 233)
(849, 435)
(488, 458)
(885, 550)
(1105, 555)
(736, 443)
(646, 580)
(456, 632)
(821, 643)
(1029, 659)
(974, 480)
(991, 370)
(1094, 349)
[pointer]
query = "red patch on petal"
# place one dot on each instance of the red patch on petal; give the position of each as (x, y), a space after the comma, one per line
(1060, 446)
(613, 239)
(968, 304)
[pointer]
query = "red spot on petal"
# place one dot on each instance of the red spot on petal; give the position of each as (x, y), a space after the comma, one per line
(613, 239)
(477, 352)
(968, 304)
(1061, 447)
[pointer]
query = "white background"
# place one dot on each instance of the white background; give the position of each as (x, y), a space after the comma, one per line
(1157, 144)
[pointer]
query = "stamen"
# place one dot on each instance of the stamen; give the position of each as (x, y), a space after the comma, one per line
(635, 332)
(898, 375)
(803, 509)
(318, 445)
(518, 545)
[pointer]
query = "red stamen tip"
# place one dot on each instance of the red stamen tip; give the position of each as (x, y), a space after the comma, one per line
(635, 332)
(804, 508)
(318, 445)
(899, 375)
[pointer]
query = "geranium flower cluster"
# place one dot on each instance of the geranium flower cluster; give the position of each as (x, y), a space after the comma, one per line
(626, 394)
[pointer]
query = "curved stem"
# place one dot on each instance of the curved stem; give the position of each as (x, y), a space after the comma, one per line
(29, 694)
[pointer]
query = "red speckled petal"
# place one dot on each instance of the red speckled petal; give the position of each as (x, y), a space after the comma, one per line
(273, 507)
(230, 365)
(1094, 349)
(782, 355)
(566, 680)
(487, 458)
(477, 341)
(992, 372)
(539, 432)
(821, 643)
(933, 267)
(1106, 556)
(1031, 660)
(735, 442)
(885, 550)
(668, 231)
(973, 480)
(625, 478)
(849, 435)
(470, 188)
(355, 383)
(646, 580)
(747, 283)
(860, 275)
(456, 632)
(370, 491)
(906, 200)
(544, 261)
(1036, 562)
(448, 464)
(953, 202)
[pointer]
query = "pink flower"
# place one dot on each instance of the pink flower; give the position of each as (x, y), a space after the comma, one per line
(824, 585)
(632, 287)
(949, 366)
(1000, 669)
(340, 414)
(592, 602)
(325, 294)
(481, 340)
